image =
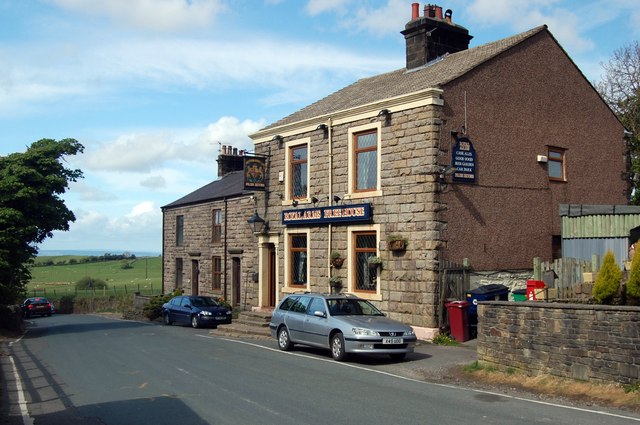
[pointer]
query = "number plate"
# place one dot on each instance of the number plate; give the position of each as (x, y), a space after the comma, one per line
(392, 341)
(220, 318)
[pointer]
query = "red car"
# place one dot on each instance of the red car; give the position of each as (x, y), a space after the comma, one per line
(37, 306)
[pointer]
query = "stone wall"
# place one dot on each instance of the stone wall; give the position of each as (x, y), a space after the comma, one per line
(585, 342)
(407, 204)
(198, 249)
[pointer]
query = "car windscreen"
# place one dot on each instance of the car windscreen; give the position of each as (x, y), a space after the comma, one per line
(204, 302)
(347, 307)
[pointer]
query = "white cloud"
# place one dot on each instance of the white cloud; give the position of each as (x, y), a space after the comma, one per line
(154, 15)
(316, 7)
(154, 182)
(388, 19)
(142, 152)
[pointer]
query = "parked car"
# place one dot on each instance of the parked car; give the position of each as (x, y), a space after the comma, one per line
(196, 310)
(37, 306)
(341, 323)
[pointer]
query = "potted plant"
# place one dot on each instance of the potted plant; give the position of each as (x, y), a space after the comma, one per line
(374, 261)
(336, 284)
(397, 243)
(336, 259)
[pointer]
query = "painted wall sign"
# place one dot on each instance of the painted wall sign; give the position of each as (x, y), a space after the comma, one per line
(325, 215)
(255, 172)
(463, 158)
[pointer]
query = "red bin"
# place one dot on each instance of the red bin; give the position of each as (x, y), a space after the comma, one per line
(534, 287)
(458, 320)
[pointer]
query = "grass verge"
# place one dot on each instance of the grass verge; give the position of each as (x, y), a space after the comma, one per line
(619, 396)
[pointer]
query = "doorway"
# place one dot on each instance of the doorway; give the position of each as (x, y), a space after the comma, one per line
(195, 277)
(235, 280)
(271, 273)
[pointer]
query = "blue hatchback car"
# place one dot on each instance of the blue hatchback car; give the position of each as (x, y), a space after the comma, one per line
(196, 310)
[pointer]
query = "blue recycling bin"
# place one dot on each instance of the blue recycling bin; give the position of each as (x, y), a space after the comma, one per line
(491, 292)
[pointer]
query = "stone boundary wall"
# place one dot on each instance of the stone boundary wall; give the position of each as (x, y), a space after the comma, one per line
(585, 342)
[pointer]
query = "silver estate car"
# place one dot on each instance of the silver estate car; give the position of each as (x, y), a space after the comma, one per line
(341, 323)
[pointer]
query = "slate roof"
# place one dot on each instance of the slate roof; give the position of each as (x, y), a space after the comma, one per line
(403, 81)
(228, 186)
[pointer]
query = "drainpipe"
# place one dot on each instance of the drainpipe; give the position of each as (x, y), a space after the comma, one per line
(163, 256)
(224, 294)
(330, 226)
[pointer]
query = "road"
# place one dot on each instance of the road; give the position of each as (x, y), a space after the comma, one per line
(90, 370)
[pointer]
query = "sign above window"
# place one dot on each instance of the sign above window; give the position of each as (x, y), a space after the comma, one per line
(463, 159)
(326, 215)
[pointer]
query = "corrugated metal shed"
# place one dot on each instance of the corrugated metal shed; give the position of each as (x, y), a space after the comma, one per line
(596, 229)
(598, 221)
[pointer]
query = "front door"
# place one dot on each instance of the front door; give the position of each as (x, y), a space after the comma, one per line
(235, 277)
(271, 292)
(195, 277)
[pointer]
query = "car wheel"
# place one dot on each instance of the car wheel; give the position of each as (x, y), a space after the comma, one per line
(398, 357)
(167, 319)
(337, 347)
(284, 342)
(195, 323)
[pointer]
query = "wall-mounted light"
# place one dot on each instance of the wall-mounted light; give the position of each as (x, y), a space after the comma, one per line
(324, 128)
(314, 200)
(294, 203)
(442, 177)
(257, 223)
(278, 139)
(336, 198)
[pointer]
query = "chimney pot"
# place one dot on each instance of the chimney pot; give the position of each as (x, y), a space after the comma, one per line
(235, 151)
(447, 15)
(415, 11)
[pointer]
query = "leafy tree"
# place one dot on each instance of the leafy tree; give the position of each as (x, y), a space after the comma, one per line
(608, 280)
(620, 88)
(31, 208)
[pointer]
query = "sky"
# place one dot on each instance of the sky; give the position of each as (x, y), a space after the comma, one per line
(153, 88)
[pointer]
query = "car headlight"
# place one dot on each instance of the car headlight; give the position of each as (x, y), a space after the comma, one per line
(410, 332)
(206, 313)
(364, 331)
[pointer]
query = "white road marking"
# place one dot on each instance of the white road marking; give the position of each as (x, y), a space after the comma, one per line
(22, 402)
(545, 403)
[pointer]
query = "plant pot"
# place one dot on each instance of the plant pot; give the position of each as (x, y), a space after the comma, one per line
(337, 262)
(396, 245)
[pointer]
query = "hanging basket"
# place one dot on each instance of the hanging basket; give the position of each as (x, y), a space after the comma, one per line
(397, 245)
(337, 262)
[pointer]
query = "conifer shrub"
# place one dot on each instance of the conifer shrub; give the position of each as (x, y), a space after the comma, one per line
(608, 280)
(633, 283)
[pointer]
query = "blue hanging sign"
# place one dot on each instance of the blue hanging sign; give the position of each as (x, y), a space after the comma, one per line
(325, 215)
(463, 158)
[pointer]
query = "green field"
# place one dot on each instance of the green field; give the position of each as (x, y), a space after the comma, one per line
(144, 276)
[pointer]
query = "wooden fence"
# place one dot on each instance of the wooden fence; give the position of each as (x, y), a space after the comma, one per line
(565, 277)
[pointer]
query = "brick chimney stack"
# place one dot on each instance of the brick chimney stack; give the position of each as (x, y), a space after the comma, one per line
(433, 35)
(229, 160)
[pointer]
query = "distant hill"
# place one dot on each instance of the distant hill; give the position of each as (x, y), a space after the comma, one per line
(96, 252)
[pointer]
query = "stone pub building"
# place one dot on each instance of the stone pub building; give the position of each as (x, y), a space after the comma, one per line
(465, 153)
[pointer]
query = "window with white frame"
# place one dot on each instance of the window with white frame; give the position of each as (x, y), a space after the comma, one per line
(556, 163)
(298, 259)
(364, 160)
(297, 169)
(363, 275)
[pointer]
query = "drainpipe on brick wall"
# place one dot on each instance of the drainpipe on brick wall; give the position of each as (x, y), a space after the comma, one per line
(163, 256)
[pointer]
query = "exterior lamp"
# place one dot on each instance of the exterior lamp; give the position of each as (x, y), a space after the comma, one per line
(257, 223)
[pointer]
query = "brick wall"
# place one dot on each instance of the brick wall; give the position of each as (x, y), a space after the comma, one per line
(584, 342)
